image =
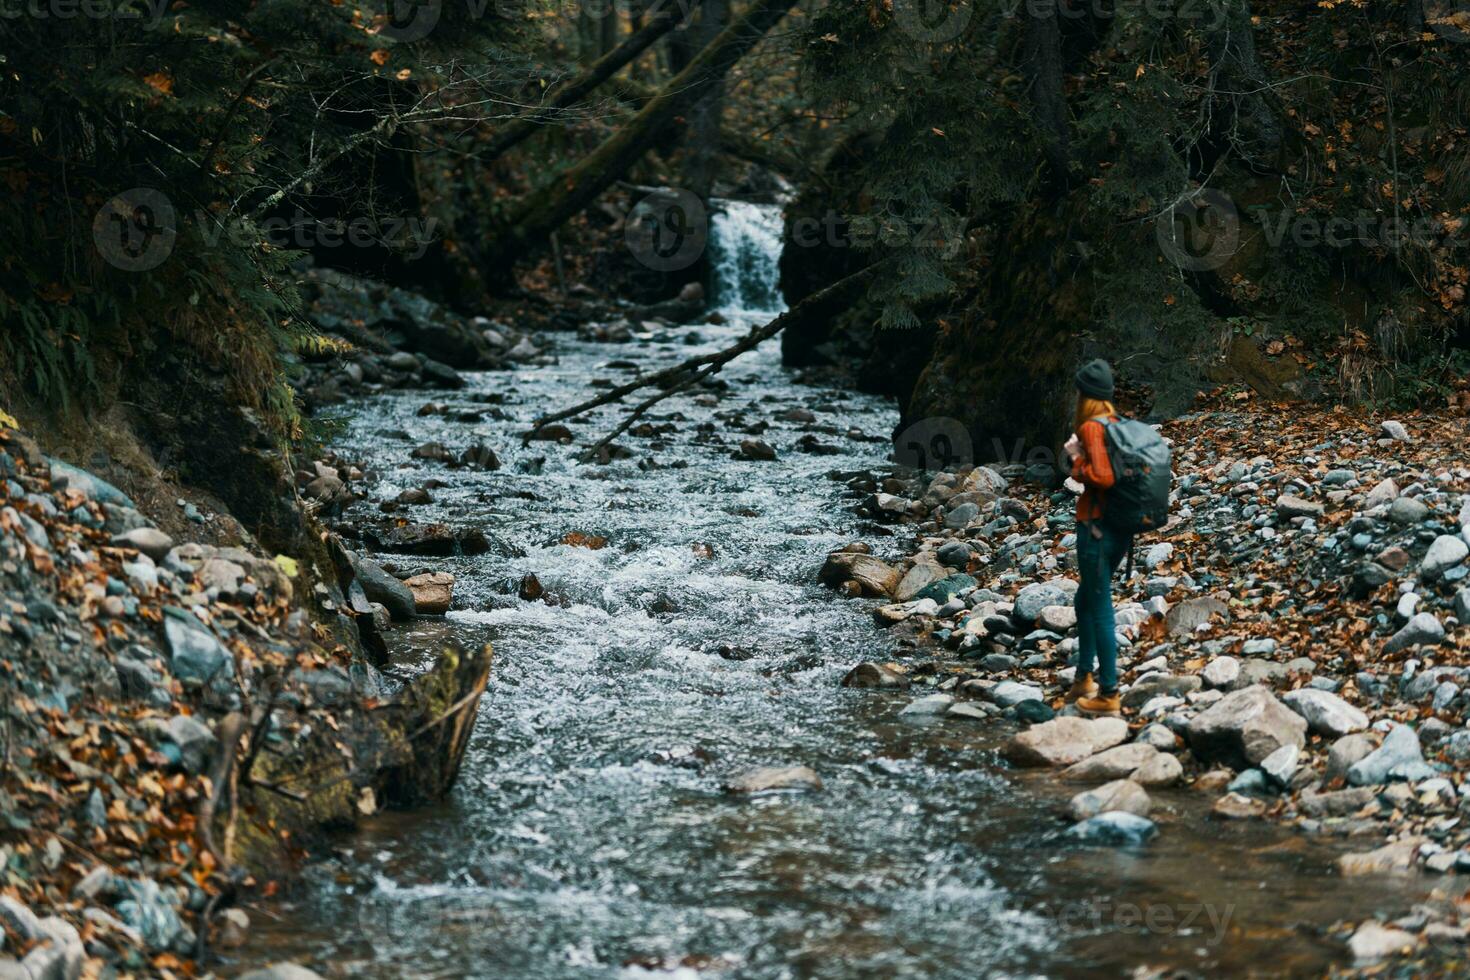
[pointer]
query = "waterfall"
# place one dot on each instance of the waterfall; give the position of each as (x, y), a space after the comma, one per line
(745, 254)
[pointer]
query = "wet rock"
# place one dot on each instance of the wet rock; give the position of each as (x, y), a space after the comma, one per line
(1118, 762)
(924, 573)
(438, 540)
(530, 588)
(1064, 741)
(1423, 629)
(1373, 942)
(1326, 713)
(870, 675)
(1115, 829)
(1162, 770)
(757, 450)
(1009, 693)
(1394, 858)
(772, 779)
(1118, 796)
(414, 497)
(148, 540)
(434, 451)
(479, 457)
(969, 710)
(899, 611)
(875, 576)
(933, 704)
(281, 971)
(432, 592)
(1234, 806)
(1243, 728)
(1033, 711)
(383, 588)
(554, 432)
(1399, 758)
(1338, 803)
(946, 588)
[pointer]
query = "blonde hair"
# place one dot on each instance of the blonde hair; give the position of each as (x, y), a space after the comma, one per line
(1091, 408)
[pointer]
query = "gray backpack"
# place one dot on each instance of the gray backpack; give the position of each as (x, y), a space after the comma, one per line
(1138, 500)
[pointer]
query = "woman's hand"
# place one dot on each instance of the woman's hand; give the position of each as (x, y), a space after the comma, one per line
(1073, 448)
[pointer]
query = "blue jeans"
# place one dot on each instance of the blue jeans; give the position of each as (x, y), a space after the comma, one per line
(1097, 559)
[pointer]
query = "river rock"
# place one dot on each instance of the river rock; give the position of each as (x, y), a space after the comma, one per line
(870, 675)
(1009, 693)
(1384, 493)
(432, 592)
(1155, 685)
(1408, 510)
(1243, 728)
(1394, 858)
(1326, 713)
(1462, 606)
(1120, 795)
(1162, 770)
(1445, 553)
(1398, 758)
(925, 572)
(931, 705)
(876, 576)
(897, 612)
(1373, 942)
(281, 971)
(65, 476)
(954, 554)
(1160, 737)
(1289, 506)
(1235, 806)
(194, 652)
(756, 450)
(149, 540)
(1423, 629)
(383, 588)
(1033, 711)
(946, 588)
(1281, 765)
(1038, 595)
(1064, 741)
(1345, 752)
(1118, 762)
(771, 779)
(1221, 672)
(1058, 619)
(428, 539)
(195, 741)
(1115, 828)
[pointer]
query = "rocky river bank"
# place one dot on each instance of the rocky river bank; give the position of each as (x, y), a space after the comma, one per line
(1294, 646)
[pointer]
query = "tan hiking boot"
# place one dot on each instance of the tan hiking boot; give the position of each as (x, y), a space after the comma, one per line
(1102, 705)
(1082, 687)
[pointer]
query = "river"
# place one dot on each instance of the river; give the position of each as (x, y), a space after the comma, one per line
(588, 835)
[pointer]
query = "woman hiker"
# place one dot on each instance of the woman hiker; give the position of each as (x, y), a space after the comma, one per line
(1099, 548)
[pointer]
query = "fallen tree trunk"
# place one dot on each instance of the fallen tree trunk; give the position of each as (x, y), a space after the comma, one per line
(530, 122)
(532, 220)
(680, 376)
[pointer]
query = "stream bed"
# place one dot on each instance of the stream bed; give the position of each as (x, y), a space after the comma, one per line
(588, 835)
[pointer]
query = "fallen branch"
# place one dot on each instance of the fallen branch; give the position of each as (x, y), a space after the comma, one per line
(230, 731)
(645, 405)
(678, 377)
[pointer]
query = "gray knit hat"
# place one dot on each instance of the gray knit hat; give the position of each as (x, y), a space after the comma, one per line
(1095, 380)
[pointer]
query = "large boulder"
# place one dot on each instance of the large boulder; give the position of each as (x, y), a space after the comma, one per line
(1244, 727)
(432, 592)
(381, 587)
(1064, 741)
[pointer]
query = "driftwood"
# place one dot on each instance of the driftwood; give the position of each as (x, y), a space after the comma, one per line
(673, 380)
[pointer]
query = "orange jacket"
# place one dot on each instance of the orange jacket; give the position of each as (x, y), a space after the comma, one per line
(1092, 469)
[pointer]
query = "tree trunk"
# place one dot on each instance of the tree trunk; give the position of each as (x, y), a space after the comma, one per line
(538, 214)
(702, 140)
(1042, 67)
(580, 87)
(1250, 124)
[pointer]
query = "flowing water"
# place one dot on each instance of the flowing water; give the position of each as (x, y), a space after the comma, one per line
(588, 835)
